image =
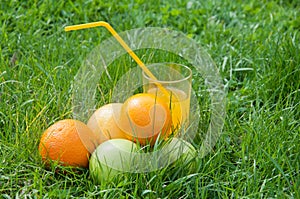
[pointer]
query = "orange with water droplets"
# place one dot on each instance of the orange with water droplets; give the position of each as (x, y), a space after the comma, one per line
(144, 117)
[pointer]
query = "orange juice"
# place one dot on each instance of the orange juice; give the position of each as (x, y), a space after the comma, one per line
(179, 104)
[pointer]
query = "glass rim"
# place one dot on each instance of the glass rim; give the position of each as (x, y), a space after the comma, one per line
(185, 78)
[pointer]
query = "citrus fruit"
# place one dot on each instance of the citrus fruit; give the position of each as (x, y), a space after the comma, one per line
(143, 117)
(103, 123)
(69, 142)
(110, 158)
(178, 102)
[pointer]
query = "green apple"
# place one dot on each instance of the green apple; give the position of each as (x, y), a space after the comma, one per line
(111, 158)
(179, 151)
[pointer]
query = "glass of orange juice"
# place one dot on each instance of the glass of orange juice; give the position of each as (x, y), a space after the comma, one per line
(173, 84)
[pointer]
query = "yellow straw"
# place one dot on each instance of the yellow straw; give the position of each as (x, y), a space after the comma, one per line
(123, 44)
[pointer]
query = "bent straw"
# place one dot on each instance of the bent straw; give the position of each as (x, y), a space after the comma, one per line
(123, 44)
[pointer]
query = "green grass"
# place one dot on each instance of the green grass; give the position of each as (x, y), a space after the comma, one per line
(255, 45)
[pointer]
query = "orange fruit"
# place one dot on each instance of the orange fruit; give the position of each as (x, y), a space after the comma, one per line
(103, 122)
(144, 117)
(70, 142)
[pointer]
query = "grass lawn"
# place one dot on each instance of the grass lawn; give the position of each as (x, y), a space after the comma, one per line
(255, 45)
